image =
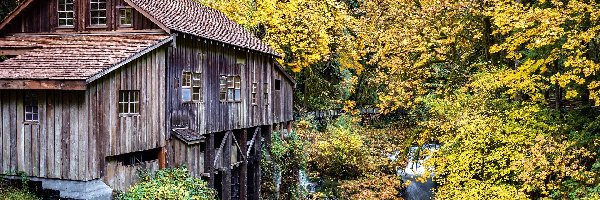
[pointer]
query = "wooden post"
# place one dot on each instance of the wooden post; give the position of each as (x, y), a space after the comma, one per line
(244, 165)
(226, 181)
(289, 127)
(209, 157)
(162, 158)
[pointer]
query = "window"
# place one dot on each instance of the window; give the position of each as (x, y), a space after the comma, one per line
(240, 61)
(31, 108)
(65, 12)
(266, 94)
(223, 88)
(196, 87)
(277, 84)
(230, 88)
(191, 87)
(98, 12)
(186, 87)
(125, 17)
(129, 102)
(254, 86)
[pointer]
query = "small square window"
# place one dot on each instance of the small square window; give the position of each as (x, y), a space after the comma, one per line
(65, 13)
(31, 107)
(98, 12)
(129, 102)
(277, 84)
(191, 87)
(125, 17)
(230, 88)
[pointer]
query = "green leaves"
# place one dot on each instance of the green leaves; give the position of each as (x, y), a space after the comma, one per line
(173, 184)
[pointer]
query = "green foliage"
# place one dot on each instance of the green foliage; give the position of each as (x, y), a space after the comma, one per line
(9, 192)
(352, 161)
(169, 184)
(285, 159)
(341, 153)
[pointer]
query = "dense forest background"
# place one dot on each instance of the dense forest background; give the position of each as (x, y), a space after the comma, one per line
(509, 89)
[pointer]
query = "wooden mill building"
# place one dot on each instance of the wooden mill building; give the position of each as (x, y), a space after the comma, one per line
(91, 91)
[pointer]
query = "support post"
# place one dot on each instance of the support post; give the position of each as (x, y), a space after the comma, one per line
(209, 157)
(226, 181)
(162, 158)
(244, 165)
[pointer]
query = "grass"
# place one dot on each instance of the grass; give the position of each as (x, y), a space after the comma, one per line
(9, 192)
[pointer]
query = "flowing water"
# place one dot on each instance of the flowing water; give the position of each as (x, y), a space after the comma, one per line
(418, 190)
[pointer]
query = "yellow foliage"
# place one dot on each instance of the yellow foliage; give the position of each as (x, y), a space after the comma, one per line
(302, 31)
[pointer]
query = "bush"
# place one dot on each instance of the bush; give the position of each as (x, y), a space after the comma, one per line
(169, 184)
(8, 191)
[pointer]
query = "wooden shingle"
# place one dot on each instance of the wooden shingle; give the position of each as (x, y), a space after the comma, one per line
(63, 57)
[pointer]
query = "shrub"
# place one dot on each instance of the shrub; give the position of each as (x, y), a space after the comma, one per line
(172, 183)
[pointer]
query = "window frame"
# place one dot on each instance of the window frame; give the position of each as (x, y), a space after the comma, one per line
(60, 9)
(277, 86)
(230, 89)
(121, 17)
(192, 81)
(31, 108)
(128, 103)
(266, 94)
(98, 10)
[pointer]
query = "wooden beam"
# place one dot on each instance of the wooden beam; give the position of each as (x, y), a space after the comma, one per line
(209, 156)
(244, 166)
(226, 177)
(43, 84)
(14, 13)
(147, 15)
(15, 51)
(162, 158)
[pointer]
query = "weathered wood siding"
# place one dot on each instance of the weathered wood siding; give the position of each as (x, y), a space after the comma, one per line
(120, 177)
(42, 16)
(191, 156)
(58, 146)
(131, 133)
(282, 99)
(213, 60)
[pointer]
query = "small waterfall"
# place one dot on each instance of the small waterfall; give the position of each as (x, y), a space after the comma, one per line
(305, 182)
(414, 169)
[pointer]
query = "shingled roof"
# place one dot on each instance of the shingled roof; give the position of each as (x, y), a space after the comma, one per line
(191, 17)
(68, 57)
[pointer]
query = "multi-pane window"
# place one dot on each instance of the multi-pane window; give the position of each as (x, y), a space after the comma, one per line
(129, 102)
(223, 88)
(125, 16)
(65, 12)
(98, 12)
(191, 87)
(31, 108)
(230, 88)
(254, 93)
(254, 86)
(266, 94)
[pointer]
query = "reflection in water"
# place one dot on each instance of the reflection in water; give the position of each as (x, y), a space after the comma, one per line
(414, 169)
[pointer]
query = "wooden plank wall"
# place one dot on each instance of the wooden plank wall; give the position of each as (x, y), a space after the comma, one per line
(191, 156)
(282, 99)
(132, 133)
(212, 115)
(57, 146)
(42, 16)
(120, 177)
(35, 18)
